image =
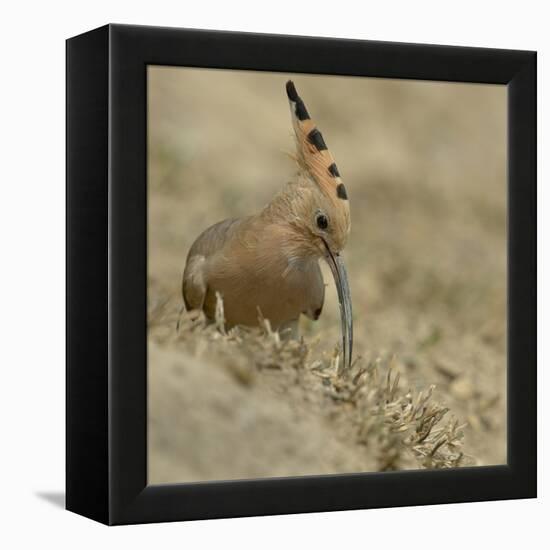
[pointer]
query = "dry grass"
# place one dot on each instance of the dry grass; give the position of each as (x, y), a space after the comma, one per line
(401, 427)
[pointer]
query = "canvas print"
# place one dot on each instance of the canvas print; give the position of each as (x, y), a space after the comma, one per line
(326, 274)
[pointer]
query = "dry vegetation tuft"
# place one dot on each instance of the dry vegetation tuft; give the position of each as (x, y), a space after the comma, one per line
(400, 427)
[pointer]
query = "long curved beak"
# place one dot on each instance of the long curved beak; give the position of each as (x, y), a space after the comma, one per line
(340, 275)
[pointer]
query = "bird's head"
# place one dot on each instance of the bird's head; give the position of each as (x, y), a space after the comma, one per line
(320, 206)
(323, 223)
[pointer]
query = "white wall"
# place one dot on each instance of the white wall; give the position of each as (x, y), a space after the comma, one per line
(32, 270)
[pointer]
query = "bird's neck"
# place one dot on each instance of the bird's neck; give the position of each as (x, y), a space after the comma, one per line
(280, 227)
(284, 205)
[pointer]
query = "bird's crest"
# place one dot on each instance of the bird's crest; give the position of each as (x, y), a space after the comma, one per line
(313, 155)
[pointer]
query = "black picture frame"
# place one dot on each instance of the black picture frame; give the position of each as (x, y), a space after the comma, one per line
(106, 453)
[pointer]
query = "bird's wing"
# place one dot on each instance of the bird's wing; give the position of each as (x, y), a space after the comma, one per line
(195, 284)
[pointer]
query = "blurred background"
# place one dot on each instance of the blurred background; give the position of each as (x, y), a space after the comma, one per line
(424, 165)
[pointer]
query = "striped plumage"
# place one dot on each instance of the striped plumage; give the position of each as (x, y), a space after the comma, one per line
(268, 262)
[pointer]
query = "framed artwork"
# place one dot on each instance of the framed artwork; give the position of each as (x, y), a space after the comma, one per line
(301, 274)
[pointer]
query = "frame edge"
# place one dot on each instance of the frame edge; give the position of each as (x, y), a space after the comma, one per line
(87, 143)
(133, 501)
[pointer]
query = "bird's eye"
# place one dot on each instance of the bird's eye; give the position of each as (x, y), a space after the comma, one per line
(322, 221)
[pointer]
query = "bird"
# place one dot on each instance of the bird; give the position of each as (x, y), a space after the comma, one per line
(268, 262)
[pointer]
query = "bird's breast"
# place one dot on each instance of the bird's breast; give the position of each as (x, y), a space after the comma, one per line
(266, 281)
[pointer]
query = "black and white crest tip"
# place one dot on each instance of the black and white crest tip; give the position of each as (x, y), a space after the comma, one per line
(333, 170)
(291, 91)
(341, 192)
(299, 107)
(316, 138)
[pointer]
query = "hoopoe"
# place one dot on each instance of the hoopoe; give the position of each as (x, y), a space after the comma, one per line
(268, 263)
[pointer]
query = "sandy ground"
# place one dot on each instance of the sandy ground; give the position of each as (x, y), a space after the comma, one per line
(425, 168)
